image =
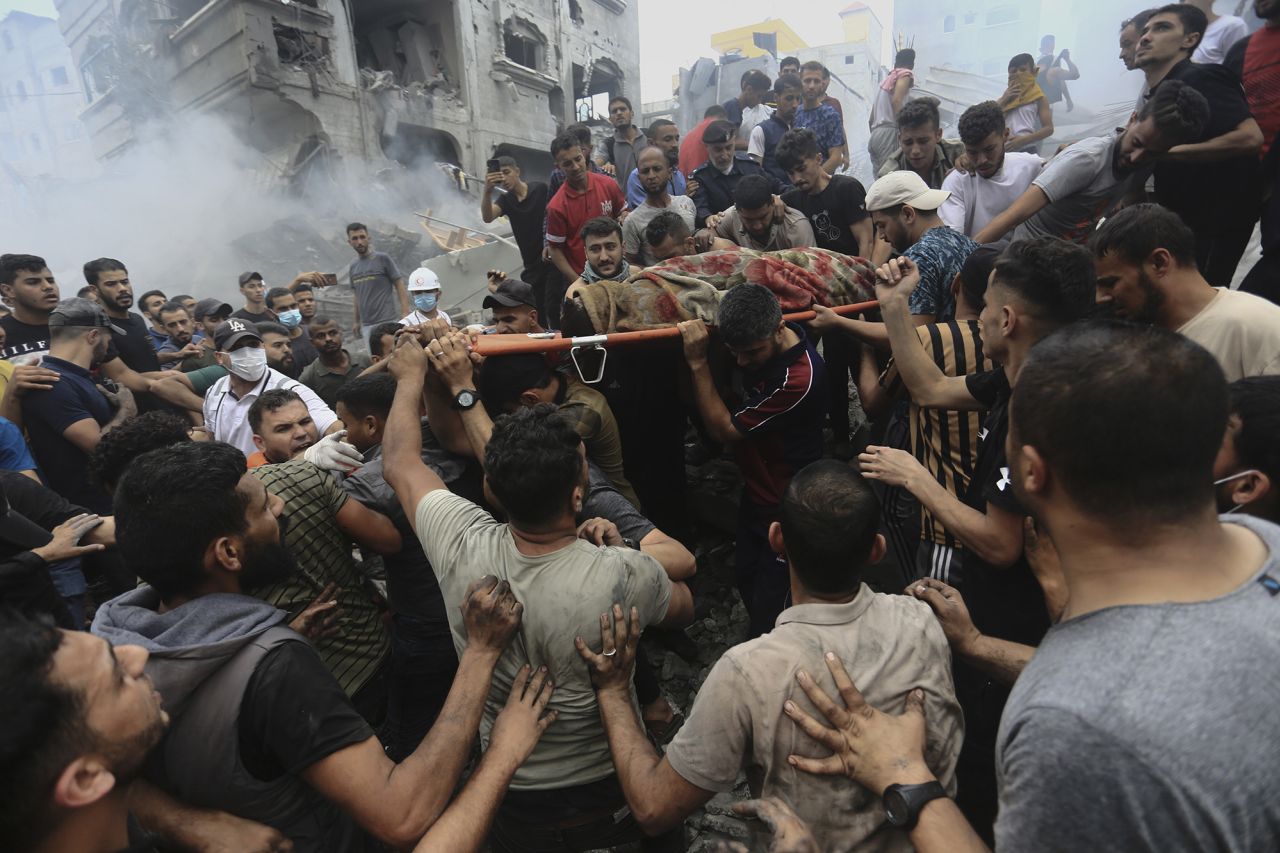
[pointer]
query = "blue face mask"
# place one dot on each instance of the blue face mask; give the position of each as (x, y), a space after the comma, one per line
(290, 319)
(425, 302)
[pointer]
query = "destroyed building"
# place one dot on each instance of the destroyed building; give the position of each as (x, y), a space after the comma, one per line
(315, 83)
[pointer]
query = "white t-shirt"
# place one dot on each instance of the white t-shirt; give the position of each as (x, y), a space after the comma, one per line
(1025, 119)
(228, 417)
(755, 145)
(417, 318)
(1218, 38)
(751, 118)
(1241, 330)
(979, 200)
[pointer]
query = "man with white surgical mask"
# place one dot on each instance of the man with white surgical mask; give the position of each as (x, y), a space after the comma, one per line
(424, 293)
(1247, 470)
(226, 406)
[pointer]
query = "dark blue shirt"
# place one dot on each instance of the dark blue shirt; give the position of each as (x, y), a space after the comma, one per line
(715, 188)
(825, 123)
(48, 414)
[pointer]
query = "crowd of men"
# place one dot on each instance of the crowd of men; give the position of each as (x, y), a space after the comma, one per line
(1070, 477)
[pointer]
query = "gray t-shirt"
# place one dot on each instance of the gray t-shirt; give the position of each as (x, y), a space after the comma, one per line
(633, 242)
(1150, 727)
(563, 594)
(604, 501)
(373, 279)
(1082, 185)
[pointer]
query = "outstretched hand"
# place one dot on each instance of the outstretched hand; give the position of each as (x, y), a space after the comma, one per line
(611, 668)
(870, 747)
(521, 721)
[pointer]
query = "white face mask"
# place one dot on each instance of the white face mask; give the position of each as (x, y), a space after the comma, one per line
(249, 363)
(1244, 473)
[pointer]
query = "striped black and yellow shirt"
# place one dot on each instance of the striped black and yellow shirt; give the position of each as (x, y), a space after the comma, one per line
(945, 441)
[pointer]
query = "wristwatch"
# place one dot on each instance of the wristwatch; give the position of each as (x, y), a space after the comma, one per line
(466, 399)
(902, 803)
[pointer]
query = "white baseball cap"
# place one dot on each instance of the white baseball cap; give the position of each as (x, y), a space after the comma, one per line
(904, 187)
(423, 279)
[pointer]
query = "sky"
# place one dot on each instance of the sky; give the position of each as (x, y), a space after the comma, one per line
(674, 33)
(35, 7)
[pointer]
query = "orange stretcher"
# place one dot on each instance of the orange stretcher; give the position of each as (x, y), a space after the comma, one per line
(544, 342)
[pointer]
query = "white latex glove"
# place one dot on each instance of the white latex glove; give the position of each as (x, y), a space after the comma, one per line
(333, 454)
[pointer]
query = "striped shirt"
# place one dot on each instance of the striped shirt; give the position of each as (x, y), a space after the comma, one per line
(311, 503)
(945, 441)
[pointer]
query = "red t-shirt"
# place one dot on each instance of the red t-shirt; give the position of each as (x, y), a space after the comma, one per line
(693, 153)
(1262, 82)
(568, 211)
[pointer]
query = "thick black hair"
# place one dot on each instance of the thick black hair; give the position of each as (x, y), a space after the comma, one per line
(755, 79)
(666, 224)
(164, 528)
(93, 269)
(1138, 230)
(714, 111)
(300, 286)
(919, 112)
(1256, 399)
(275, 293)
(789, 60)
(1054, 280)
(621, 99)
(975, 273)
(378, 333)
(1022, 59)
(368, 395)
(748, 313)
(504, 378)
(905, 58)
(815, 65)
(980, 121)
(657, 124)
(11, 265)
(150, 293)
(787, 81)
(532, 465)
(117, 448)
(173, 305)
(1193, 18)
(1106, 406)
(829, 517)
(45, 727)
(274, 328)
(271, 401)
(752, 192)
(357, 226)
(506, 161)
(582, 132)
(1139, 21)
(1179, 111)
(796, 146)
(564, 142)
(600, 226)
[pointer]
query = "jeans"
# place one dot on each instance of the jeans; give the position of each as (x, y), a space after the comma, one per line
(571, 820)
(423, 663)
(762, 576)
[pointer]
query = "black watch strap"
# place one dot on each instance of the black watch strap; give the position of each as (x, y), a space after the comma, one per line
(902, 803)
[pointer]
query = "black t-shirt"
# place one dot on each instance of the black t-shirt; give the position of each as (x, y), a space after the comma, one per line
(1206, 192)
(527, 218)
(291, 684)
(1004, 602)
(136, 345)
(832, 211)
(27, 344)
(265, 316)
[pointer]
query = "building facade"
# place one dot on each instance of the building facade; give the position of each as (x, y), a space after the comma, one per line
(311, 82)
(41, 137)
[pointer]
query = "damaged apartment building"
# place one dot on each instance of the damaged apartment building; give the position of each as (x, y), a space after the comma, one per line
(313, 84)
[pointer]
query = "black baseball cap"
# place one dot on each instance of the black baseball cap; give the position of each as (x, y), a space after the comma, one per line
(510, 293)
(82, 313)
(205, 307)
(231, 332)
(719, 132)
(246, 277)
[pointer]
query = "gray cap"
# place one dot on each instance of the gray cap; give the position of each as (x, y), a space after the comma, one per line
(82, 313)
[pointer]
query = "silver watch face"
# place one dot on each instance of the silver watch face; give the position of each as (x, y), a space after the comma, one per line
(466, 399)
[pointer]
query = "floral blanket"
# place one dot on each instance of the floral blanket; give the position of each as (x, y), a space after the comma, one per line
(690, 287)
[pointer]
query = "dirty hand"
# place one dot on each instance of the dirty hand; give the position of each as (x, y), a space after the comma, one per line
(691, 187)
(696, 339)
(611, 669)
(333, 454)
(948, 605)
(320, 618)
(451, 359)
(897, 278)
(220, 832)
(521, 721)
(870, 747)
(408, 363)
(491, 614)
(824, 319)
(790, 833)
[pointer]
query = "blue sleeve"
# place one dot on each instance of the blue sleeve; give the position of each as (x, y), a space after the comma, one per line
(58, 408)
(14, 453)
(925, 299)
(635, 192)
(838, 138)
